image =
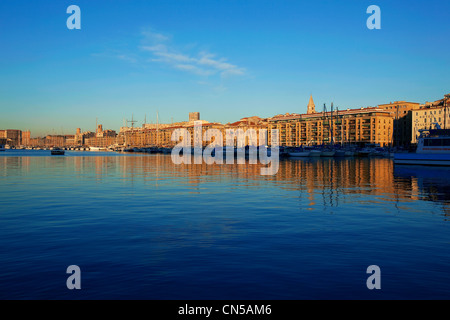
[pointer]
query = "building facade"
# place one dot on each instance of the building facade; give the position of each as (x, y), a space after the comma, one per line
(26, 138)
(402, 113)
(350, 127)
(194, 116)
(12, 137)
(430, 116)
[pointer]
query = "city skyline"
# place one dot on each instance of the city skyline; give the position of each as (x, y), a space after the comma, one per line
(225, 60)
(192, 116)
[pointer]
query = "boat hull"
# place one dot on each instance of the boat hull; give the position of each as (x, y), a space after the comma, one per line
(349, 153)
(422, 159)
(298, 154)
(328, 153)
(315, 153)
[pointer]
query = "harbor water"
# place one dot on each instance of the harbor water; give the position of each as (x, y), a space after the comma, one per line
(141, 227)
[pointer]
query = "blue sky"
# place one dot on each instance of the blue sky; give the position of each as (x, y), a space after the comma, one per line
(225, 59)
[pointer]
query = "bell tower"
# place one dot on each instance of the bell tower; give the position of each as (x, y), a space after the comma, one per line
(311, 106)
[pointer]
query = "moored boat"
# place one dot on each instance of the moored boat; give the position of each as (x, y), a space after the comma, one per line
(2, 147)
(433, 149)
(96, 149)
(298, 152)
(327, 153)
(315, 153)
(349, 153)
(57, 152)
(340, 153)
(365, 152)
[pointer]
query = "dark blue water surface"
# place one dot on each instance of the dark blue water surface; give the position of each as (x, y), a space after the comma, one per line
(140, 227)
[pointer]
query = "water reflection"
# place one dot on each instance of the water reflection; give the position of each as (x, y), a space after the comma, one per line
(322, 182)
(426, 183)
(161, 227)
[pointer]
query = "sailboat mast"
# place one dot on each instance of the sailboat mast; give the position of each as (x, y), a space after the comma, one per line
(157, 129)
(331, 125)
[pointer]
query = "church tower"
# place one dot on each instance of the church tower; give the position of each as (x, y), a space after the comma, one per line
(311, 106)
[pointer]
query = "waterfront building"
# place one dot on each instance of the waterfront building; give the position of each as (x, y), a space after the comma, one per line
(26, 138)
(69, 140)
(54, 141)
(12, 137)
(160, 134)
(194, 116)
(101, 138)
(248, 123)
(430, 114)
(402, 114)
(78, 140)
(362, 126)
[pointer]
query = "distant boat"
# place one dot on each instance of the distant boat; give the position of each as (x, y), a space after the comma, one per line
(340, 153)
(298, 152)
(96, 149)
(315, 153)
(328, 153)
(349, 153)
(364, 152)
(433, 149)
(379, 152)
(2, 147)
(57, 152)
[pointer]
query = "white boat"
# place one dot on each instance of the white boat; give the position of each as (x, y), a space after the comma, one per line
(433, 149)
(2, 147)
(96, 149)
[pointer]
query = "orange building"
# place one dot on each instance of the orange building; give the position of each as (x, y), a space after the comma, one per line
(402, 114)
(352, 126)
(26, 138)
(13, 137)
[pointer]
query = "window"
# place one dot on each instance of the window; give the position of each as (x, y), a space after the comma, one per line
(437, 142)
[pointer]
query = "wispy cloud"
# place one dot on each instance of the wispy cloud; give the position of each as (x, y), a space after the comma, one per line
(162, 50)
(126, 58)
